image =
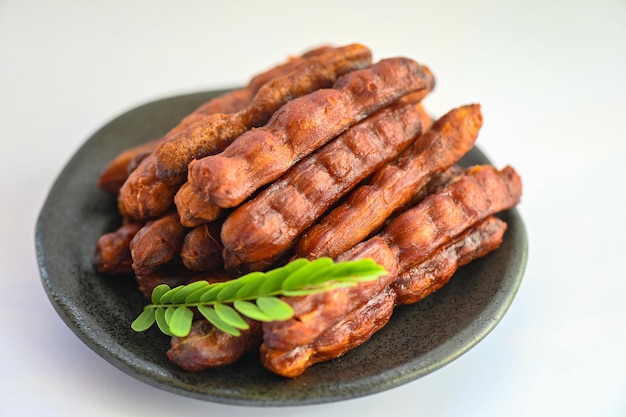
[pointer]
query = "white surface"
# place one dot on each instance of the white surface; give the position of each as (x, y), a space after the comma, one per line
(551, 79)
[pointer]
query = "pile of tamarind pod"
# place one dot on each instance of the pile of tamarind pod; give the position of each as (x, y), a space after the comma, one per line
(327, 154)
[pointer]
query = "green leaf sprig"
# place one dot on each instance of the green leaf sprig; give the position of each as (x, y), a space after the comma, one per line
(254, 295)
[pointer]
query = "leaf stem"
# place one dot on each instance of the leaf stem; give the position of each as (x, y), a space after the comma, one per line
(254, 295)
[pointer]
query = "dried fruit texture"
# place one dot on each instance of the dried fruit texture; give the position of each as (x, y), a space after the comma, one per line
(316, 313)
(202, 249)
(113, 250)
(394, 185)
(236, 100)
(302, 125)
(208, 347)
(149, 190)
(408, 239)
(193, 209)
(264, 228)
(214, 133)
(120, 168)
(436, 183)
(356, 328)
(411, 285)
(157, 243)
(472, 197)
(117, 171)
(143, 195)
(416, 282)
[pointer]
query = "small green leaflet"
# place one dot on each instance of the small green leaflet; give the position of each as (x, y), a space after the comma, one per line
(254, 296)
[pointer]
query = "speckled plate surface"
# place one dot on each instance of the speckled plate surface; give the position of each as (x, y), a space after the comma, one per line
(419, 339)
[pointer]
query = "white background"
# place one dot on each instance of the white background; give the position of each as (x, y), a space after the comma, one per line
(550, 75)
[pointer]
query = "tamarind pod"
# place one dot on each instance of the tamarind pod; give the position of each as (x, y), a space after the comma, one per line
(116, 172)
(356, 328)
(482, 191)
(236, 100)
(213, 133)
(315, 313)
(112, 255)
(411, 285)
(192, 209)
(202, 249)
(302, 125)
(158, 242)
(267, 225)
(291, 63)
(416, 282)
(143, 196)
(393, 186)
(208, 347)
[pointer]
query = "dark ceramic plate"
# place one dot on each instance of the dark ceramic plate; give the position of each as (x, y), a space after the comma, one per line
(419, 339)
